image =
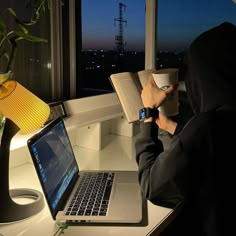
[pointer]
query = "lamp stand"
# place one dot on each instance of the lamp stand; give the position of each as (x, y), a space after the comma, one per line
(10, 211)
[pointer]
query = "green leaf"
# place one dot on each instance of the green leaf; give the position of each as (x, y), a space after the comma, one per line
(5, 76)
(22, 26)
(4, 54)
(10, 37)
(11, 11)
(30, 37)
(20, 23)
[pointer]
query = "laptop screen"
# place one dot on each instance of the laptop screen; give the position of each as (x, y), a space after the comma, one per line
(54, 160)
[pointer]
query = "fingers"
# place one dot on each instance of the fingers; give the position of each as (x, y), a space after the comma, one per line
(171, 88)
(153, 96)
(175, 86)
(151, 80)
(150, 84)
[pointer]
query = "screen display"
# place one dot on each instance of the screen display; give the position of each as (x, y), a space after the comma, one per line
(55, 162)
(142, 114)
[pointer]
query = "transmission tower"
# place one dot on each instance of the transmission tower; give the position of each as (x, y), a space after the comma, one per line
(119, 39)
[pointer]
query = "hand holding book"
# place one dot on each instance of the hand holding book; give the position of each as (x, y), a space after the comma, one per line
(129, 86)
(167, 81)
(153, 96)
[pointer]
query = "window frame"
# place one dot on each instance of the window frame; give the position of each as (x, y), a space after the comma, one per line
(57, 53)
(150, 41)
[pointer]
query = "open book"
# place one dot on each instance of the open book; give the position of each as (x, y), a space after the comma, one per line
(128, 87)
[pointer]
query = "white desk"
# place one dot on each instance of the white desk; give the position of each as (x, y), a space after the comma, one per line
(117, 154)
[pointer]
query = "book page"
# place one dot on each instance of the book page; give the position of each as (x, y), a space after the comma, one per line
(144, 75)
(128, 94)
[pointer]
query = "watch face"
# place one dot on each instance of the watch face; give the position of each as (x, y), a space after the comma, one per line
(148, 112)
(142, 114)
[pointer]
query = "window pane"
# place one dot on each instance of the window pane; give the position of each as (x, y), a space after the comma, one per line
(179, 23)
(32, 66)
(113, 35)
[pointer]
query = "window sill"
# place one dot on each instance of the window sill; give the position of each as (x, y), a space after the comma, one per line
(82, 112)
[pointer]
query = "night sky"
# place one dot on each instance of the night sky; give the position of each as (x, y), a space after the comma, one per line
(99, 28)
(179, 22)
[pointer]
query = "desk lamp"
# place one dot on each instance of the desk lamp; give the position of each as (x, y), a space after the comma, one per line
(24, 112)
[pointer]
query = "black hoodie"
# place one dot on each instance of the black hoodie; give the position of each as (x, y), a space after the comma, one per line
(197, 168)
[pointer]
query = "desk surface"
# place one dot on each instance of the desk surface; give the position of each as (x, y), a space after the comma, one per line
(117, 154)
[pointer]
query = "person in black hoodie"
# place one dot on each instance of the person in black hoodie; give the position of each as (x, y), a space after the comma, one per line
(197, 168)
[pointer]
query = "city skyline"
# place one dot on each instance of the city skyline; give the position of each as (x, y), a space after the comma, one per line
(179, 22)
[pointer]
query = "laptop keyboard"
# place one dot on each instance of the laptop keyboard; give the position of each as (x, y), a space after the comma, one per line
(92, 195)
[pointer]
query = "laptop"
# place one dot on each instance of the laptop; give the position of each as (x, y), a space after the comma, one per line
(81, 196)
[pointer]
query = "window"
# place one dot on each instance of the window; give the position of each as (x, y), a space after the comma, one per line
(33, 60)
(179, 23)
(113, 34)
(109, 38)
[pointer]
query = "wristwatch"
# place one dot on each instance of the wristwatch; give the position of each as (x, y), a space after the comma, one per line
(147, 112)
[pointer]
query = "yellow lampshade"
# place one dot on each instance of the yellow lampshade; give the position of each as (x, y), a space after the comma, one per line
(21, 106)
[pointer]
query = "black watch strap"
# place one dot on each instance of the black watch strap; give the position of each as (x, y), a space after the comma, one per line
(147, 112)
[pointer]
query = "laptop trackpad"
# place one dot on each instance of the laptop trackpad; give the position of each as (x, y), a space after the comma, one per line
(127, 202)
(127, 191)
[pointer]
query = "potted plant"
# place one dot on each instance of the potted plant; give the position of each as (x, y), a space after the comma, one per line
(10, 36)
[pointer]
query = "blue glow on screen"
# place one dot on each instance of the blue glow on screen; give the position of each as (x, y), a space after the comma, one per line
(56, 163)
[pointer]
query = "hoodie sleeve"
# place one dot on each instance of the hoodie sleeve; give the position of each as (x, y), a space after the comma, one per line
(179, 127)
(161, 174)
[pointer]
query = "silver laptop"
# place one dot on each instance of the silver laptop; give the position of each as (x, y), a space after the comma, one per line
(81, 196)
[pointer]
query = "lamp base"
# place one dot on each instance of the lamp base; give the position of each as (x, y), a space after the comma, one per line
(11, 211)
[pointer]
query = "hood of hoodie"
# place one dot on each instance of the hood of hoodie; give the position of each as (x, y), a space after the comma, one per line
(210, 71)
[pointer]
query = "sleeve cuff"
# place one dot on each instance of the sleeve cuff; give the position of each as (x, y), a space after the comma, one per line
(149, 129)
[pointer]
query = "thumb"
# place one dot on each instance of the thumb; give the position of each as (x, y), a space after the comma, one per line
(171, 88)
